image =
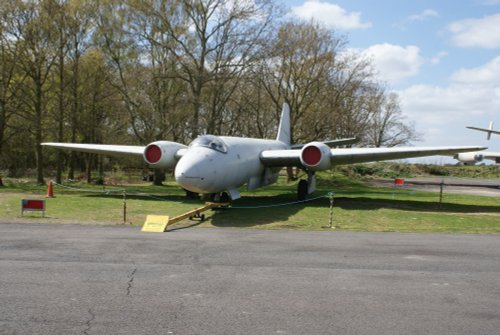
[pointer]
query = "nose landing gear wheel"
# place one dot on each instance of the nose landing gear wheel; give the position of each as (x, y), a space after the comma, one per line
(220, 197)
(191, 195)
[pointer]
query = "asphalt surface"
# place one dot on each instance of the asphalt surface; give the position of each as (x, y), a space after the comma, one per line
(484, 187)
(73, 279)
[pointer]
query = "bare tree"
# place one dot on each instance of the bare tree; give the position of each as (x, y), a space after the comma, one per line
(297, 69)
(388, 126)
(213, 41)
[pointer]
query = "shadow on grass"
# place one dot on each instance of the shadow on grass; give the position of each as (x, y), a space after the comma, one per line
(363, 203)
(248, 212)
(259, 210)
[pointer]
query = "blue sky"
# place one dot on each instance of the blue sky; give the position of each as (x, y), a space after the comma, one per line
(441, 57)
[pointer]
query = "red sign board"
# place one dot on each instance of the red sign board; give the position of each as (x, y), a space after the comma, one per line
(32, 205)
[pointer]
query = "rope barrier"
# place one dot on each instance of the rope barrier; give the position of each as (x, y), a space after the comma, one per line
(329, 195)
(87, 190)
(282, 204)
(107, 191)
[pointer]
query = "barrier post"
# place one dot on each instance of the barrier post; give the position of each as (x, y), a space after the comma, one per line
(124, 207)
(331, 196)
(441, 193)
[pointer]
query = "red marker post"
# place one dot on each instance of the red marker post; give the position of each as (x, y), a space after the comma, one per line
(399, 182)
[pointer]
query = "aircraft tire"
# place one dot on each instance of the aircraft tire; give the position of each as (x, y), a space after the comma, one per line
(220, 197)
(191, 195)
(302, 190)
(224, 197)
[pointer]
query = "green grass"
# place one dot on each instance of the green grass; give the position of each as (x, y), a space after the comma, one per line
(356, 207)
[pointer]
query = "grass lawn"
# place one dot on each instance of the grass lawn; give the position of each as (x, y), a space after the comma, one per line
(356, 207)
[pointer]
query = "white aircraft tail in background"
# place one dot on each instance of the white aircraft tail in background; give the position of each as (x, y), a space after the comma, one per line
(215, 165)
(488, 130)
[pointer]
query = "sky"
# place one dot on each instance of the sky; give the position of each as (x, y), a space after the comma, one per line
(441, 57)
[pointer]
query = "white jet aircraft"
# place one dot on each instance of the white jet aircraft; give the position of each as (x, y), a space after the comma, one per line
(217, 164)
(471, 158)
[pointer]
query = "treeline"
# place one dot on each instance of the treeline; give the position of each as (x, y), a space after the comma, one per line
(135, 71)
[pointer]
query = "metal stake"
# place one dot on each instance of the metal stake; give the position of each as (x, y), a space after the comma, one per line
(331, 196)
(124, 207)
(441, 193)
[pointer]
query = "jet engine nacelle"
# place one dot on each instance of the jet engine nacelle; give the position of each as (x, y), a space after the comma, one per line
(315, 156)
(162, 154)
(469, 157)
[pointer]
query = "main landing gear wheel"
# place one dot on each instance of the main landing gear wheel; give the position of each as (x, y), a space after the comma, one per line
(201, 217)
(302, 190)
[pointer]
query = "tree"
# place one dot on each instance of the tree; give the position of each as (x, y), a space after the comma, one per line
(135, 71)
(143, 69)
(35, 30)
(10, 79)
(212, 42)
(387, 124)
(301, 57)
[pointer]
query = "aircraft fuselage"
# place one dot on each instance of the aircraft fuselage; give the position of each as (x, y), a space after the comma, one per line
(225, 165)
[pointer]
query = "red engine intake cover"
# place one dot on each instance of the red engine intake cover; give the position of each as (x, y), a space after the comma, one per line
(153, 154)
(311, 155)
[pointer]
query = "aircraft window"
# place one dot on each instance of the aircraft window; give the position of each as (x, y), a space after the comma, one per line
(210, 141)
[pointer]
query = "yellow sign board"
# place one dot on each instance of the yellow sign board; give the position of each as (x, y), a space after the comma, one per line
(155, 224)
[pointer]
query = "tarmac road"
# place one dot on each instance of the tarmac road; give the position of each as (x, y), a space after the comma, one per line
(73, 279)
(484, 187)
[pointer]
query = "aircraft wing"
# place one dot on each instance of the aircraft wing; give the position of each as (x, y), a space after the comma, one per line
(495, 156)
(358, 155)
(332, 143)
(114, 150)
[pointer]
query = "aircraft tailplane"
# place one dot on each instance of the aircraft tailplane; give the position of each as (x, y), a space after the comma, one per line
(284, 127)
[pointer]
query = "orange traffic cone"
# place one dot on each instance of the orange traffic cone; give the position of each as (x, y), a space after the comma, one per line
(50, 192)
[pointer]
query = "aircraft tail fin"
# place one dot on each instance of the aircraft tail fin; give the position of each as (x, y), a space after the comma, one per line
(284, 127)
(490, 128)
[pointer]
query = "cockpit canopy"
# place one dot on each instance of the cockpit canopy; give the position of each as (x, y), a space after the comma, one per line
(210, 141)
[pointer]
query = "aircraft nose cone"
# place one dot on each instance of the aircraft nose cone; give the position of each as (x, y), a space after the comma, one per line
(198, 171)
(189, 177)
(190, 173)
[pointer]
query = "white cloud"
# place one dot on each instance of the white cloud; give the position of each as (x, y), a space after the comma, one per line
(424, 15)
(393, 62)
(437, 59)
(436, 105)
(330, 15)
(487, 74)
(442, 112)
(482, 33)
